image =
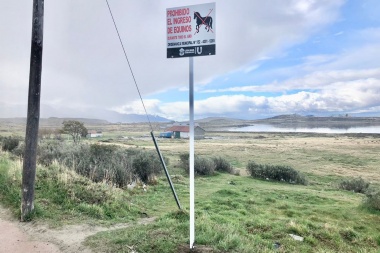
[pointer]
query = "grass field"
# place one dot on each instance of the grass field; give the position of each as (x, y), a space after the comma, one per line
(252, 216)
(233, 213)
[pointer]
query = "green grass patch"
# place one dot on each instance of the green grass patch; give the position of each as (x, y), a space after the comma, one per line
(61, 192)
(252, 216)
(233, 213)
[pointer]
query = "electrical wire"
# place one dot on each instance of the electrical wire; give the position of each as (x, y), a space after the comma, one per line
(129, 65)
(142, 101)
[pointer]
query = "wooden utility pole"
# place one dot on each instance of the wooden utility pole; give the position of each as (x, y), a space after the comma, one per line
(33, 118)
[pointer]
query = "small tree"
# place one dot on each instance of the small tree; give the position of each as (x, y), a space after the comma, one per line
(74, 128)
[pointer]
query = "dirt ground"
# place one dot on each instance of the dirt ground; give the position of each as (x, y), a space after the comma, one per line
(15, 239)
(35, 237)
(32, 237)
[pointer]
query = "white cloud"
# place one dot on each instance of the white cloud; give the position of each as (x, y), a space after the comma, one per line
(251, 68)
(320, 80)
(137, 107)
(83, 60)
(337, 97)
(84, 66)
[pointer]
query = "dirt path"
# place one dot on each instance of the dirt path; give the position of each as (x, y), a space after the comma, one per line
(14, 239)
(34, 237)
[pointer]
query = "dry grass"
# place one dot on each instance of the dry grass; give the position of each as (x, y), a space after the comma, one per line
(321, 155)
(316, 154)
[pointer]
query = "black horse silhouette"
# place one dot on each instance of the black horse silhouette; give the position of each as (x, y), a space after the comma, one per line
(207, 21)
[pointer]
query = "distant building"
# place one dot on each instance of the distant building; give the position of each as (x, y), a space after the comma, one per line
(166, 135)
(183, 132)
(94, 134)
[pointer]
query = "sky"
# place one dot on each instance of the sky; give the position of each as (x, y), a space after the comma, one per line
(310, 57)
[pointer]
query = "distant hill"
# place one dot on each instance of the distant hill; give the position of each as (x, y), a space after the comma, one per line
(138, 118)
(118, 118)
(53, 121)
(290, 120)
(295, 120)
(215, 123)
(217, 119)
(220, 123)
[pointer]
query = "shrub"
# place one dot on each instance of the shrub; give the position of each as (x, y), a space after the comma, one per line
(100, 163)
(107, 163)
(373, 198)
(10, 143)
(184, 162)
(276, 172)
(222, 165)
(19, 150)
(355, 184)
(146, 165)
(49, 151)
(202, 166)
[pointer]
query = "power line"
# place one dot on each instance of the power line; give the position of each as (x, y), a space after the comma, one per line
(130, 68)
(151, 133)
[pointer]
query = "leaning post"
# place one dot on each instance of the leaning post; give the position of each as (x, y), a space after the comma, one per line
(33, 116)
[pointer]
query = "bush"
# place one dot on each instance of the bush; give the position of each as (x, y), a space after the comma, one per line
(100, 163)
(280, 173)
(202, 166)
(184, 161)
(19, 150)
(49, 151)
(146, 165)
(355, 184)
(107, 163)
(222, 165)
(10, 143)
(373, 198)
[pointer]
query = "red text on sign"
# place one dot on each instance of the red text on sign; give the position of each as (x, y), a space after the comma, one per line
(178, 12)
(182, 29)
(182, 20)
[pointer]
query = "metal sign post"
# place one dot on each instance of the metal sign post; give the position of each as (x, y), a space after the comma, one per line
(191, 32)
(191, 158)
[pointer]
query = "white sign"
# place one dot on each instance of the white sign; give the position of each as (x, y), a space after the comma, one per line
(190, 30)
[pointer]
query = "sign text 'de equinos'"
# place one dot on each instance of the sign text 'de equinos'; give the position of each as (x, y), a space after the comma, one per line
(190, 30)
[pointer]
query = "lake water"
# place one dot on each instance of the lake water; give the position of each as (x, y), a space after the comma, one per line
(270, 128)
